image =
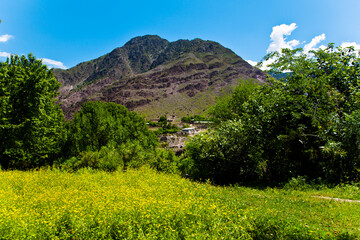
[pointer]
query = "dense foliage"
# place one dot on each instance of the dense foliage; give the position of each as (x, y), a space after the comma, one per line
(106, 136)
(231, 106)
(31, 124)
(307, 124)
(98, 124)
(33, 132)
(195, 118)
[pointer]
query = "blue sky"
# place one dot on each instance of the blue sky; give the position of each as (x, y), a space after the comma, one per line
(65, 33)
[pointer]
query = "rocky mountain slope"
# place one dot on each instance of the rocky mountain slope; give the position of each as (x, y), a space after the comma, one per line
(156, 77)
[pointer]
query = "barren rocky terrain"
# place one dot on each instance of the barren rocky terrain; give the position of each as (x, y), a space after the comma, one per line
(156, 77)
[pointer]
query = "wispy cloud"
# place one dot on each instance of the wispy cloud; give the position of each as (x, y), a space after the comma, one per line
(265, 64)
(5, 38)
(53, 63)
(49, 62)
(5, 54)
(278, 37)
(315, 41)
(252, 63)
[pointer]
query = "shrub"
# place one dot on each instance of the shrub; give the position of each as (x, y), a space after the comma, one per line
(107, 159)
(219, 155)
(298, 183)
(165, 161)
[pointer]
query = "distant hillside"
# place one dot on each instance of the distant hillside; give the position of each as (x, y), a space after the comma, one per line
(156, 77)
(281, 76)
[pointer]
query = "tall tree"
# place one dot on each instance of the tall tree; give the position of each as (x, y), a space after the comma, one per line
(31, 123)
(100, 124)
(305, 124)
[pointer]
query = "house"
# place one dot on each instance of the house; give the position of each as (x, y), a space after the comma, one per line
(188, 130)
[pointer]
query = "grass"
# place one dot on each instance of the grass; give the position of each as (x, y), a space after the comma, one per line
(144, 204)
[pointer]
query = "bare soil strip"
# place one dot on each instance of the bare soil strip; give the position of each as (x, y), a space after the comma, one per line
(338, 199)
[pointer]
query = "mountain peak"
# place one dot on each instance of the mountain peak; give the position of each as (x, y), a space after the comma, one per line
(144, 40)
(156, 77)
(143, 51)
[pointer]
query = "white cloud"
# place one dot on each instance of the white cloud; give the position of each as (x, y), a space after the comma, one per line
(266, 63)
(252, 63)
(351, 44)
(49, 62)
(315, 41)
(53, 63)
(5, 38)
(278, 39)
(5, 54)
(293, 43)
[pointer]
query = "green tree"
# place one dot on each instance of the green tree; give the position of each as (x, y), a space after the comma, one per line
(219, 155)
(31, 123)
(305, 124)
(230, 106)
(323, 101)
(100, 124)
(163, 119)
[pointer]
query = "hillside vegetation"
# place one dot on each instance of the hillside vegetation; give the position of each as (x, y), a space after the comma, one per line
(156, 77)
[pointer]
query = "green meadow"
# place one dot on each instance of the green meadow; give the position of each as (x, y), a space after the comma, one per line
(146, 204)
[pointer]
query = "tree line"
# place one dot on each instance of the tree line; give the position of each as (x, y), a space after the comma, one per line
(34, 133)
(305, 124)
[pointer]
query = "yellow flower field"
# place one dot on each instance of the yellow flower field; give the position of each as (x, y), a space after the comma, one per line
(144, 204)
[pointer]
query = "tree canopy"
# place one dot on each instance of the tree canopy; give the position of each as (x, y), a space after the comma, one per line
(31, 124)
(98, 124)
(33, 131)
(108, 127)
(306, 124)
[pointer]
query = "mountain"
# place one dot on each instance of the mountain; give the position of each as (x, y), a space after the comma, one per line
(156, 77)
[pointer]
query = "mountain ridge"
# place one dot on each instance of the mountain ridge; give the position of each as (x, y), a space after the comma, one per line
(148, 71)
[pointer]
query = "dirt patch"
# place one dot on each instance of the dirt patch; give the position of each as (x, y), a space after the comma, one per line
(338, 199)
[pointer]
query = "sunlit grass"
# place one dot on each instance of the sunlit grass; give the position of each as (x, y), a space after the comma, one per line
(144, 204)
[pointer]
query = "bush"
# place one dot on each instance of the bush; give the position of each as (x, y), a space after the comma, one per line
(298, 183)
(192, 119)
(219, 155)
(165, 161)
(163, 119)
(167, 128)
(134, 155)
(107, 159)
